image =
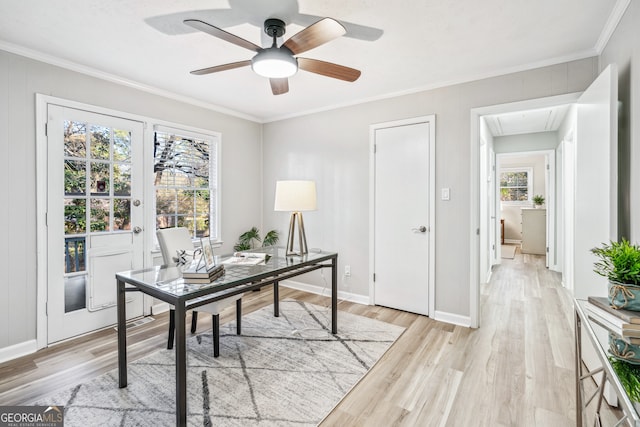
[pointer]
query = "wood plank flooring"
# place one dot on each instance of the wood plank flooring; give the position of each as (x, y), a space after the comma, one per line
(515, 370)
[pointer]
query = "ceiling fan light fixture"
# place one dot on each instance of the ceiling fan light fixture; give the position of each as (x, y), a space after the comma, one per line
(274, 63)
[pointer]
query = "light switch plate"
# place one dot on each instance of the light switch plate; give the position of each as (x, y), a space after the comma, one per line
(445, 194)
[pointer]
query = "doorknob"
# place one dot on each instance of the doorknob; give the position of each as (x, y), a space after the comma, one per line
(137, 230)
(421, 229)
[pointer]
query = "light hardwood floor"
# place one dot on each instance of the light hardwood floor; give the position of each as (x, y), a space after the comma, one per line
(515, 370)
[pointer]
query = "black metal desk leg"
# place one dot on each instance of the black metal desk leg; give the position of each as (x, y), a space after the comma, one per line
(122, 335)
(181, 366)
(334, 295)
(276, 299)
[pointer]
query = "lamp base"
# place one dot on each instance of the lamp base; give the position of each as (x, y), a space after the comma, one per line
(302, 238)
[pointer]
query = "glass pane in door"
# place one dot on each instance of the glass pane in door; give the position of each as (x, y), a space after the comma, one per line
(97, 197)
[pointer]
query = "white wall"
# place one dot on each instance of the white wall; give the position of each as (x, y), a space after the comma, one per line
(332, 148)
(526, 142)
(20, 80)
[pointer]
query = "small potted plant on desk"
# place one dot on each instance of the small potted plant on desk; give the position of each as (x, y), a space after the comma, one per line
(619, 262)
(251, 238)
(538, 201)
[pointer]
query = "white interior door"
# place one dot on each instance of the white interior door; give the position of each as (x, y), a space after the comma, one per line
(485, 252)
(593, 164)
(402, 217)
(94, 218)
(595, 171)
(494, 229)
(568, 209)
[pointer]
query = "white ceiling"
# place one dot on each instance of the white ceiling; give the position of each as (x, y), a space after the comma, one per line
(401, 47)
(529, 121)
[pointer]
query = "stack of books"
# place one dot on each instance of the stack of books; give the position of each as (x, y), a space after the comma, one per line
(624, 323)
(192, 274)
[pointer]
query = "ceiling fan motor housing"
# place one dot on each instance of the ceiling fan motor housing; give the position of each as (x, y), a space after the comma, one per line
(274, 27)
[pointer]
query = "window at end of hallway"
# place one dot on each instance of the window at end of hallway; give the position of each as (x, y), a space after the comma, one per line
(515, 185)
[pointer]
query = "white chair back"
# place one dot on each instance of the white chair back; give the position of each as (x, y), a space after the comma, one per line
(172, 241)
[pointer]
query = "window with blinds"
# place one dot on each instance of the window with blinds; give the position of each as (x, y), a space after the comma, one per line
(185, 179)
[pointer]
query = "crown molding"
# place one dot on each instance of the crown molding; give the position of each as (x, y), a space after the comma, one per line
(445, 83)
(92, 72)
(610, 26)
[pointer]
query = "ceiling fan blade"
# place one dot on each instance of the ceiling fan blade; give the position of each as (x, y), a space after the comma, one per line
(329, 69)
(315, 35)
(279, 86)
(223, 67)
(222, 34)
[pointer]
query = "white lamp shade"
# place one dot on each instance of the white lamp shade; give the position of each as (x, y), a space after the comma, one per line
(295, 196)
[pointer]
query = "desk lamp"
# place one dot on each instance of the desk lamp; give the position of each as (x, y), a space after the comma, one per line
(295, 197)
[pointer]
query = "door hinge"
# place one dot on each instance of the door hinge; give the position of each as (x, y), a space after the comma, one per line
(548, 168)
(46, 129)
(477, 231)
(374, 277)
(375, 148)
(46, 308)
(46, 219)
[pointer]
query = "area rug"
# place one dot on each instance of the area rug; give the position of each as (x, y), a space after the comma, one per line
(282, 371)
(508, 251)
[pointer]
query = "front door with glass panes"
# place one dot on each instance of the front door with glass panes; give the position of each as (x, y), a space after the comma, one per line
(94, 218)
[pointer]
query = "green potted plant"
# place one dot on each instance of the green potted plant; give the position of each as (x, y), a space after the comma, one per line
(629, 376)
(619, 262)
(251, 239)
(538, 200)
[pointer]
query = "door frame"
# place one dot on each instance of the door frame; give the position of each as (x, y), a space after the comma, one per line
(42, 243)
(474, 186)
(431, 119)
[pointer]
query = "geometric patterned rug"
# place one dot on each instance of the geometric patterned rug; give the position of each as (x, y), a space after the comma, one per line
(282, 371)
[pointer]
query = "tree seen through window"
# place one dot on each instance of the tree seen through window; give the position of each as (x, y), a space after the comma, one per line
(184, 183)
(515, 186)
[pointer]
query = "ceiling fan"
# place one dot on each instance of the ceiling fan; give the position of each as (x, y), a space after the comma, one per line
(278, 63)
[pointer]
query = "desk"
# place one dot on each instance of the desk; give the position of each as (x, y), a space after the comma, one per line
(166, 284)
(598, 336)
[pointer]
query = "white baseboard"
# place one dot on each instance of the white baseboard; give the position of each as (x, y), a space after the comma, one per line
(512, 242)
(161, 307)
(455, 319)
(325, 291)
(17, 350)
(489, 274)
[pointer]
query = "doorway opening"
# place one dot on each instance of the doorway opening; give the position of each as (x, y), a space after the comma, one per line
(498, 132)
(522, 179)
(586, 170)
